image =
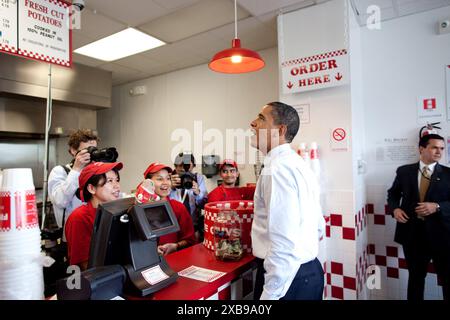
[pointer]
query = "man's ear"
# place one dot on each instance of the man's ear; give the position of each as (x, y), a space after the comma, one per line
(72, 152)
(283, 130)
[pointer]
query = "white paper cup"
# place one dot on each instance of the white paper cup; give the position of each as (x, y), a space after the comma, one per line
(17, 179)
(17, 201)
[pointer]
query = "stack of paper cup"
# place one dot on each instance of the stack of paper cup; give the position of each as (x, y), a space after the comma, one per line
(21, 275)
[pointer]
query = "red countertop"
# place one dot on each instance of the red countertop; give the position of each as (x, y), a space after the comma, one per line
(198, 255)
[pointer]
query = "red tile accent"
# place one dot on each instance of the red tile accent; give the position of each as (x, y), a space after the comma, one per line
(328, 278)
(337, 292)
(369, 208)
(379, 219)
(386, 210)
(327, 231)
(380, 260)
(350, 283)
(371, 249)
(337, 268)
(402, 263)
(392, 272)
(392, 251)
(348, 233)
(336, 220)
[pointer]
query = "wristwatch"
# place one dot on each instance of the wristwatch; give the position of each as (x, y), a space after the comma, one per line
(438, 207)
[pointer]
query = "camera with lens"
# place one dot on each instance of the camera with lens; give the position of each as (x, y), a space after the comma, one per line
(103, 155)
(187, 180)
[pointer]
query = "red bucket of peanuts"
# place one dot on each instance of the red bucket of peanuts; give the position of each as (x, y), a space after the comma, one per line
(244, 210)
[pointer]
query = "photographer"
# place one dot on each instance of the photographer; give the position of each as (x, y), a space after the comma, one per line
(63, 180)
(190, 189)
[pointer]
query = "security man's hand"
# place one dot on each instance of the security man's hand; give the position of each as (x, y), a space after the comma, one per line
(176, 180)
(400, 215)
(424, 209)
(82, 159)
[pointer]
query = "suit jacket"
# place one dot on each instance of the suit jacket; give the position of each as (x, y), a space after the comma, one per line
(404, 194)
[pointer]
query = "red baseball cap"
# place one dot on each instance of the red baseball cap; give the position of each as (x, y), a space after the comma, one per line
(155, 167)
(95, 168)
(228, 162)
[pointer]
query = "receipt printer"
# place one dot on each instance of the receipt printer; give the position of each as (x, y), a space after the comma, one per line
(98, 283)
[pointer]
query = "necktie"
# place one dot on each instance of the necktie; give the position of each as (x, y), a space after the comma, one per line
(424, 183)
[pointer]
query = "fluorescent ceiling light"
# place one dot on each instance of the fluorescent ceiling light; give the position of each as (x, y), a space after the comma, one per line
(119, 45)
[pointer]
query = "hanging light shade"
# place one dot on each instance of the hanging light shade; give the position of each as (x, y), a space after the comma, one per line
(236, 59)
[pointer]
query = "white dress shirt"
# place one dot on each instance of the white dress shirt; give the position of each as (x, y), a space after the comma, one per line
(288, 219)
(61, 191)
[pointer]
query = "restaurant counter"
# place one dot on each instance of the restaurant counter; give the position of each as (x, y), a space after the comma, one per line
(236, 284)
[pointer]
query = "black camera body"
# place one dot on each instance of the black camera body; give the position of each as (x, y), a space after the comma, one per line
(187, 180)
(103, 155)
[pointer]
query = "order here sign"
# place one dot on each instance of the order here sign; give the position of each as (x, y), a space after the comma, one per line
(36, 29)
(316, 72)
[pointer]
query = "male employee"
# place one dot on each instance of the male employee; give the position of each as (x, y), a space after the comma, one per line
(228, 190)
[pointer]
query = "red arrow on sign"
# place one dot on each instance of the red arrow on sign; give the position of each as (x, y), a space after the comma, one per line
(290, 85)
(339, 76)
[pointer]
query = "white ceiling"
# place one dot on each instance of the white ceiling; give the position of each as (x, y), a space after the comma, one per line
(196, 29)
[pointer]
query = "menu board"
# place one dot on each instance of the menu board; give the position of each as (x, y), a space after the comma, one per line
(8, 26)
(37, 29)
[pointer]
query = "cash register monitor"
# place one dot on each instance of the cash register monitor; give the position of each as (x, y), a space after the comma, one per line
(154, 219)
(110, 235)
(127, 234)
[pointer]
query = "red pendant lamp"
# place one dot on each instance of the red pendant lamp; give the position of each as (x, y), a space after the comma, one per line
(236, 59)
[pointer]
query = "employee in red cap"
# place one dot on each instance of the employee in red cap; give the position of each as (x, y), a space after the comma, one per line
(160, 175)
(228, 190)
(98, 183)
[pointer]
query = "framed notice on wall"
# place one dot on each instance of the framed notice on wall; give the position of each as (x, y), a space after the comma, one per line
(38, 29)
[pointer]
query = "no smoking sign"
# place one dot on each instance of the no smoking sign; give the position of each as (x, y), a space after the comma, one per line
(338, 139)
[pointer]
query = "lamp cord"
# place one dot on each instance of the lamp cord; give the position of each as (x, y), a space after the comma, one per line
(235, 20)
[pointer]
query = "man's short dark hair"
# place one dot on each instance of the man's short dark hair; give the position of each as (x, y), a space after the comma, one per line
(285, 114)
(423, 142)
(79, 136)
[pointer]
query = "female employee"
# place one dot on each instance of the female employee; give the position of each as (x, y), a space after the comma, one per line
(160, 175)
(98, 183)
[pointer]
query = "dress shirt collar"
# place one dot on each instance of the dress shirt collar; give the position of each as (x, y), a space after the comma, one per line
(282, 148)
(430, 166)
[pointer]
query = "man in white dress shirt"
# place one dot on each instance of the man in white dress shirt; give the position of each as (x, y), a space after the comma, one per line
(288, 221)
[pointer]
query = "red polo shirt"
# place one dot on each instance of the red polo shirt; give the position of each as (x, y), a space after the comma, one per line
(78, 229)
(228, 194)
(186, 225)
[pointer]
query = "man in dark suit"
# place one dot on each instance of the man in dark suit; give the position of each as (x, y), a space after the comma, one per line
(419, 200)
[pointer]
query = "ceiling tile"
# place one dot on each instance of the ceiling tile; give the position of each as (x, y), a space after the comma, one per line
(97, 26)
(138, 62)
(201, 17)
(260, 7)
(170, 53)
(78, 58)
(131, 13)
(175, 4)
(411, 7)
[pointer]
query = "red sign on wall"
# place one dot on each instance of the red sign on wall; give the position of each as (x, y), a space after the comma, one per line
(37, 29)
(429, 104)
